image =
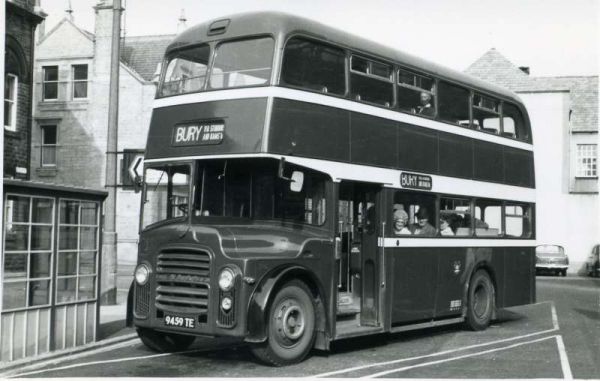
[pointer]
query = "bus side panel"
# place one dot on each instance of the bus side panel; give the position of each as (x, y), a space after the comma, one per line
(414, 284)
(244, 121)
(519, 288)
(306, 129)
(453, 272)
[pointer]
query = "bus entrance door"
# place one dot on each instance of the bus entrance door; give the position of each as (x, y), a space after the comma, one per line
(358, 229)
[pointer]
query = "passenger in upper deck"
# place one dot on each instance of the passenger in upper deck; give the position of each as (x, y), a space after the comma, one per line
(426, 107)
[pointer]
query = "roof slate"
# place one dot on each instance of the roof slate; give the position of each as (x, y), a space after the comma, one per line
(144, 53)
(583, 90)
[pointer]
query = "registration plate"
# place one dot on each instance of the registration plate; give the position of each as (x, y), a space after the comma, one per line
(179, 321)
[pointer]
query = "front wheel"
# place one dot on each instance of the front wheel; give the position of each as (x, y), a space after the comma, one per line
(480, 301)
(164, 342)
(290, 326)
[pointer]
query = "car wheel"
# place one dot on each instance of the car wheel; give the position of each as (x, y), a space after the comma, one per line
(164, 342)
(563, 272)
(480, 301)
(290, 327)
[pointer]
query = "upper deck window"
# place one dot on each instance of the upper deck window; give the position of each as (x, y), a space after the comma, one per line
(453, 104)
(371, 81)
(186, 71)
(416, 93)
(513, 123)
(242, 63)
(486, 113)
(314, 66)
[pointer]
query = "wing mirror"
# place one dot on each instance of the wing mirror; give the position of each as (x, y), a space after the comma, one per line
(296, 180)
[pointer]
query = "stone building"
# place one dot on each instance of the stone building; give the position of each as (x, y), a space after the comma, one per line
(22, 18)
(564, 119)
(69, 137)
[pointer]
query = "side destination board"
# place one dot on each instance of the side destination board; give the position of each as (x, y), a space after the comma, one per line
(198, 133)
(415, 181)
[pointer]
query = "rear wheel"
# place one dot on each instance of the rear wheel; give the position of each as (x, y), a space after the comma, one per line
(290, 326)
(480, 301)
(563, 272)
(164, 342)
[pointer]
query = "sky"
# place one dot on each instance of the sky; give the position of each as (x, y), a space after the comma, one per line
(552, 37)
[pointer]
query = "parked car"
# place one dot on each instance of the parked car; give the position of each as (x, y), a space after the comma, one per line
(551, 258)
(592, 265)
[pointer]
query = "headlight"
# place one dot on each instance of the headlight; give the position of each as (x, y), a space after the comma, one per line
(226, 304)
(226, 278)
(142, 272)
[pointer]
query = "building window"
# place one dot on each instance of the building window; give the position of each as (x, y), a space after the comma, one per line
(28, 247)
(77, 265)
(587, 159)
(80, 81)
(50, 83)
(10, 102)
(48, 148)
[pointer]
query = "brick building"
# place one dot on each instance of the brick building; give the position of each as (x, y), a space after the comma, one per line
(22, 18)
(69, 136)
(564, 119)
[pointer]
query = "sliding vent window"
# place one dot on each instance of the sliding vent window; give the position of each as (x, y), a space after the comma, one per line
(453, 104)
(416, 93)
(186, 71)
(314, 66)
(486, 113)
(242, 63)
(371, 81)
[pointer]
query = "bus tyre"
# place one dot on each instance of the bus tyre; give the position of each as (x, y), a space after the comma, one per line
(480, 301)
(164, 342)
(290, 326)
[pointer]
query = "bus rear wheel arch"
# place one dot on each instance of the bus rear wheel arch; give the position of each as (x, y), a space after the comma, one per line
(291, 326)
(481, 301)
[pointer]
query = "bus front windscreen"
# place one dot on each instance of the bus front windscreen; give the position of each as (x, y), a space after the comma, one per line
(166, 193)
(239, 63)
(253, 189)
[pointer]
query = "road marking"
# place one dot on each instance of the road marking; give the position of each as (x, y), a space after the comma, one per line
(57, 360)
(456, 358)
(433, 354)
(105, 362)
(554, 316)
(564, 360)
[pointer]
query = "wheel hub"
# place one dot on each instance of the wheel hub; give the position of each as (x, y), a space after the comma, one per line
(293, 322)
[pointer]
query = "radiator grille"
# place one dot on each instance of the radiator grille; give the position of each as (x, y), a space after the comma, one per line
(142, 301)
(182, 281)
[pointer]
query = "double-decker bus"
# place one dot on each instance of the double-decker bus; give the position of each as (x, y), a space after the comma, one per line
(302, 185)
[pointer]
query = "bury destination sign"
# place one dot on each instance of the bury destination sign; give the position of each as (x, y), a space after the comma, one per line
(415, 181)
(198, 133)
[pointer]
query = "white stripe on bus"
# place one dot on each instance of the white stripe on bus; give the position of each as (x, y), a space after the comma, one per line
(408, 241)
(325, 100)
(388, 177)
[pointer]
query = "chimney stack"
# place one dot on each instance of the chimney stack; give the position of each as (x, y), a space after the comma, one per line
(181, 26)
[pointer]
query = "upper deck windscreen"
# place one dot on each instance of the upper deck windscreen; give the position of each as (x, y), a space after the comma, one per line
(238, 63)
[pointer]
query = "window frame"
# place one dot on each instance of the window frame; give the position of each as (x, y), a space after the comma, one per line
(76, 81)
(44, 145)
(14, 103)
(28, 252)
(582, 168)
(97, 250)
(432, 93)
(45, 82)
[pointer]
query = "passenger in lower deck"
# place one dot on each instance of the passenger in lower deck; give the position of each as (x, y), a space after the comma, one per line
(400, 221)
(445, 223)
(423, 227)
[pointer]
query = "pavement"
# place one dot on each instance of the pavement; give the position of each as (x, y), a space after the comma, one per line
(111, 330)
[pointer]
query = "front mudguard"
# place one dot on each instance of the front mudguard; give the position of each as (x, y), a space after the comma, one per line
(259, 303)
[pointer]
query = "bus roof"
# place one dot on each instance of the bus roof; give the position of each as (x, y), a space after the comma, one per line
(281, 25)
